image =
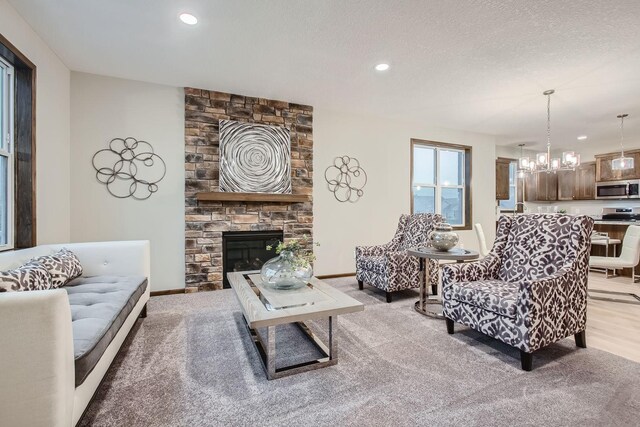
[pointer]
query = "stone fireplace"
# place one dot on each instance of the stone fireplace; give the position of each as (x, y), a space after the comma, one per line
(210, 214)
(247, 250)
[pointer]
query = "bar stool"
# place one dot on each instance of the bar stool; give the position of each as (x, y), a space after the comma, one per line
(603, 239)
(629, 255)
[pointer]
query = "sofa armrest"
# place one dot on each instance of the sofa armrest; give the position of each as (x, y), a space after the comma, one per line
(120, 258)
(37, 375)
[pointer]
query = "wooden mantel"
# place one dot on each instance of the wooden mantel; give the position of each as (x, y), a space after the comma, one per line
(220, 196)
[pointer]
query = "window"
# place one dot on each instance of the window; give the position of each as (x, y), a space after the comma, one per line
(440, 181)
(6, 155)
(17, 148)
(510, 204)
(515, 201)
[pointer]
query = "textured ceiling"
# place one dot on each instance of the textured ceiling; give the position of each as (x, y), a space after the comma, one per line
(474, 65)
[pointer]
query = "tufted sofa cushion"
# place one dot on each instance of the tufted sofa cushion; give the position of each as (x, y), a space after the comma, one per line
(99, 307)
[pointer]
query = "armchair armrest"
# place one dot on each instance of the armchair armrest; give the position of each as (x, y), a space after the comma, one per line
(37, 379)
(484, 269)
(554, 307)
(401, 267)
(407, 266)
(377, 250)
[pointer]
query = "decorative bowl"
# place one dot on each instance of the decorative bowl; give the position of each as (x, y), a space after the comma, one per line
(443, 238)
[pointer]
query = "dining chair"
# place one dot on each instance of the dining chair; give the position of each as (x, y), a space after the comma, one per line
(629, 255)
(482, 242)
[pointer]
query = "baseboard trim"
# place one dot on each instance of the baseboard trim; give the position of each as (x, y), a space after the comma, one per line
(335, 276)
(167, 292)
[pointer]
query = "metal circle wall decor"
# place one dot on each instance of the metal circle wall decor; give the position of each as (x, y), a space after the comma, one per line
(129, 168)
(346, 179)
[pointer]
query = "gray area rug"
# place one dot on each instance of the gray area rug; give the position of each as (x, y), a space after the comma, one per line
(191, 363)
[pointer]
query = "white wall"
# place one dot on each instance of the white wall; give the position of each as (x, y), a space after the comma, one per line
(383, 149)
(103, 108)
(52, 127)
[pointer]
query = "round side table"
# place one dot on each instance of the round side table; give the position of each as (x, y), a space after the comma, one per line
(432, 307)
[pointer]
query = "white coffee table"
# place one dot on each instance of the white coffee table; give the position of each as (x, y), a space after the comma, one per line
(263, 307)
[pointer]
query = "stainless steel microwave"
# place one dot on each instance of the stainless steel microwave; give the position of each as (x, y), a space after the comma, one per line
(618, 189)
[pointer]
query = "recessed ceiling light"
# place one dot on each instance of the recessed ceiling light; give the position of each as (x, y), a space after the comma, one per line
(188, 19)
(582, 137)
(382, 67)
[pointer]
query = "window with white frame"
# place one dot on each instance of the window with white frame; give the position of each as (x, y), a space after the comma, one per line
(440, 181)
(510, 204)
(6, 155)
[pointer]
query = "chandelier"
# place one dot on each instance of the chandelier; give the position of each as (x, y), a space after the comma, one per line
(622, 162)
(543, 161)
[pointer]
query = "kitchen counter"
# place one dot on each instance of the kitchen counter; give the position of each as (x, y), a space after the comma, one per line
(601, 222)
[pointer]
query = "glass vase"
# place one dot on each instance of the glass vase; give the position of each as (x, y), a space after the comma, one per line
(284, 272)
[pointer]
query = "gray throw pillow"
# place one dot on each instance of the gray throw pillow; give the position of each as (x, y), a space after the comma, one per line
(32, 276)
(63, 266)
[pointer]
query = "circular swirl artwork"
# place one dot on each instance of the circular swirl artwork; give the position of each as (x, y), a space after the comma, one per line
(254, 158)
(346, 179)
(129, 168)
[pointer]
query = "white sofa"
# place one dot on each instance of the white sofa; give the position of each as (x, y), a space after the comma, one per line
(37, 368)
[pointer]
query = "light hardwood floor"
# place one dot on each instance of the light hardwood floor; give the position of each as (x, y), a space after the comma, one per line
(613, 326)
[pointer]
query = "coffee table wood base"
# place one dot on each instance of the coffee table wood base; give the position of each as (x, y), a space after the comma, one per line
(267, 350)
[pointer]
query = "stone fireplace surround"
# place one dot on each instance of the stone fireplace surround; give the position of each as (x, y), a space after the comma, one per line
(205, 221)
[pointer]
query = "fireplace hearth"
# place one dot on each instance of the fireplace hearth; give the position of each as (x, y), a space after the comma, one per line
(247, 250)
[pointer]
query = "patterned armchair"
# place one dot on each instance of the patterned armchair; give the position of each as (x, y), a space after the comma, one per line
(531, 290)
(389, 267)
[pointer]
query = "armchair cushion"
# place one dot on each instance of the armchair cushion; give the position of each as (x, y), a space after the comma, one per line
(492, 295)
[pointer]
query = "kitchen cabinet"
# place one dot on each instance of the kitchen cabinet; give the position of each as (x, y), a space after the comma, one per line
(579, 184)
(530, 187)
(585, 182)
(502, 178)
(547, 186)
(605, 173)
(566, 185)
(562, 185)
(541, 187)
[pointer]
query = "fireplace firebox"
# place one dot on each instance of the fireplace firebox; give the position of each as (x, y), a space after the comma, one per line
(247, 250)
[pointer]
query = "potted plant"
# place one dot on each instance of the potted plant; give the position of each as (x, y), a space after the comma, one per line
(292, 268)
